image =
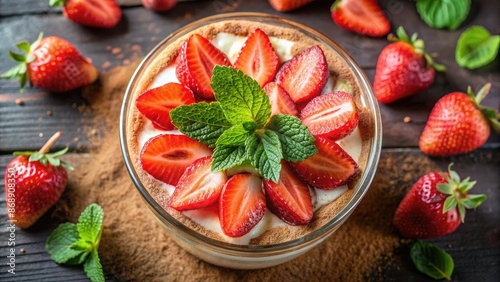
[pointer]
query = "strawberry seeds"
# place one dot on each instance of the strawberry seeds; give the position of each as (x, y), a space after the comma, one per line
(243, 193)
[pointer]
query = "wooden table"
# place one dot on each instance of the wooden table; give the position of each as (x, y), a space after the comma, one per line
(475, 248)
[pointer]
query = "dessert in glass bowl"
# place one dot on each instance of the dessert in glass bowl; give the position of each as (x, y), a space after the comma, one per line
(251, 137)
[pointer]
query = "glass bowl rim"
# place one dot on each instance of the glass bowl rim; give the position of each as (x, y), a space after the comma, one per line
(361, 187)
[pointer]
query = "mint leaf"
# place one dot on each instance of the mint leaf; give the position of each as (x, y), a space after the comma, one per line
(432, 260)
(296, 140)
(476, 48)
(226, 157)
(234, 136)
(265, 154)
(93, 268)
(90, 223)
(78, 243)
(443, 14)
(201, 121)
(79, 259)
(241, 98)
(82, 246)
(59, 242)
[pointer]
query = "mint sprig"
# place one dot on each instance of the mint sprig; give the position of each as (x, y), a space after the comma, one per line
(75, 244)
(240, 127)
(432, 260)
(241, 98)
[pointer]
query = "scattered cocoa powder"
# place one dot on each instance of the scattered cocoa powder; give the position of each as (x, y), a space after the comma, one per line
(135, 248)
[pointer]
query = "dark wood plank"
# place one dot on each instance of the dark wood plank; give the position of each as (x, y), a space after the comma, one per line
(474, 246)
(20, 7)
(141, 29)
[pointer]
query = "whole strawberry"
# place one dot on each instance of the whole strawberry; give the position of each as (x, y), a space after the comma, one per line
(34, 181)
(435, 205)
(403, 68)
(159, 5)
(288, 5)
(93, 13)
(458, 124)
(51, 63)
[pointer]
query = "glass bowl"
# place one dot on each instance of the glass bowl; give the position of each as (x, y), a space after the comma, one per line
(228, 254)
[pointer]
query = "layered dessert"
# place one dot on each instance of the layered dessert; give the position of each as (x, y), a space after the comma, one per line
(249, 133)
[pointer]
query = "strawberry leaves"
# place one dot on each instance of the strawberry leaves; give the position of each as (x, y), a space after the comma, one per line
(240, 127)
(20, 70)
(457, 190)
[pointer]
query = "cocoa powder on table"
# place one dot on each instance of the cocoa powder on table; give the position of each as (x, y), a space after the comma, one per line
(135, 248)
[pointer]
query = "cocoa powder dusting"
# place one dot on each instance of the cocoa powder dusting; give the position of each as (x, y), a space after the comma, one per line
(135, 248)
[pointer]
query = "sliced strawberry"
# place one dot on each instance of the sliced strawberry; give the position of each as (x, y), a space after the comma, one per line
(156, 104)
(198, 187)
(94, 13)
(195, 62)
(361, 16)
(257, 58)
(167, 156)
(304, 75)
(329, 168)
(332, 115)
(242, 204)
(290, 198)
(281, 103)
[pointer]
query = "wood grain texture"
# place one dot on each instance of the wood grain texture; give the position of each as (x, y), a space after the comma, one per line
(475, 246)
(140, 30)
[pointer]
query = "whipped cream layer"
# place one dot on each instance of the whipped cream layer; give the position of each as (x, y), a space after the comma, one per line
(208, 217)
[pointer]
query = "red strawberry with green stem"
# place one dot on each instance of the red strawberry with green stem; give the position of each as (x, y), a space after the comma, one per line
(360, 16)
(34, 181)
(288, 5)
(403, 68)
(458, 124)
(257, 58)
(435, 205)
(51, 63)
(93, 13)
(156, 103)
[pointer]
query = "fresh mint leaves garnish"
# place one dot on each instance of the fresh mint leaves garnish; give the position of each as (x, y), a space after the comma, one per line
(296, 140)
(265, 153)
(77, 243)
(476, 48)
(432, 260)
(241, 98)
(443, 14)
(240, 127)
(201, 121)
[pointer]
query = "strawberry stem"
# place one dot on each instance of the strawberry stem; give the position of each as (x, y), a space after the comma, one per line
(491, 115)
(418, 45)
(50, 142)
(457, 191)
